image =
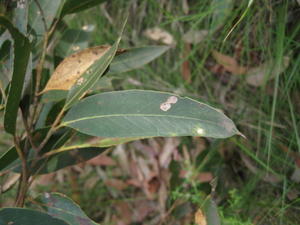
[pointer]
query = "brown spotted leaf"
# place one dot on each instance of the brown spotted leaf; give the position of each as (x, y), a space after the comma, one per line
(73, 67)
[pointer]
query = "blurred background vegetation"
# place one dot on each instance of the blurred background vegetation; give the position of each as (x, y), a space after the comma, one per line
(240, 57)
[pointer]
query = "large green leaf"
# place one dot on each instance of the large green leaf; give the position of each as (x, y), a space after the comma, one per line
(72, 6)
(8, 158)
(138, 113)
(64, 208)
(71, 41)
(21, 16)
(50, 10)
(21, 216)
(21, 56)
(91, 76)
(135, 58)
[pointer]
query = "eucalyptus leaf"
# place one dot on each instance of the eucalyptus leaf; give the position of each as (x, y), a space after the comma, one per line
(22, 216)
(21, 16)
(139, 113)
(6, 59)
(64, 208)
(73, 6)
(135, 58)
(21, 57)
(49, 10)
(71, 41)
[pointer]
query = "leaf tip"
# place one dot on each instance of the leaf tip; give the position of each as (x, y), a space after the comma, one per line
(241, 134)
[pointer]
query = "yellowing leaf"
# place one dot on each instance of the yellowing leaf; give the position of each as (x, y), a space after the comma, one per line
(73, 67)
(200, 218)
(229, 63)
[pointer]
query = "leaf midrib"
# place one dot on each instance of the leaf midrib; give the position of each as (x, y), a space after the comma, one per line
(138, 115)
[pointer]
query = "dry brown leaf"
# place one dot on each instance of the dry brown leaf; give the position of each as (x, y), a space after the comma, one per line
(158, 34)
(101, 160)
(296, 175)
(73, 67)
(12, 179)
(292, 194)
(90, 182)
(256, 76)
(229, 63)
(200, 218)
(169, 147)
(267, 177)
(185, 67)
(194, 36)
(125, 213)
(44, 180)
(142, 209)
(116, 183)
(205, 177)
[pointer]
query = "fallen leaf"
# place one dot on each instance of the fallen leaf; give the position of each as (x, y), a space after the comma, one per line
(257, 76)
(116, 183)
(121, 154)
(205, 177)
(158, 34)
(90, 182)
(265, 176)
(296, 175)
(43, 180)
(68, 72)
(292, 194)
(101, 160)
(200, 218)
(169, 147)
(142, 210)
(10, 182)
(125, 213)
(194, 36)
(185, 67)
(229, 63)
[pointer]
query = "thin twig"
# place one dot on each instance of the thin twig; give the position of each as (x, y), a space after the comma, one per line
(28, 131)
(39, 68)
(24, 176)
(52, 129)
